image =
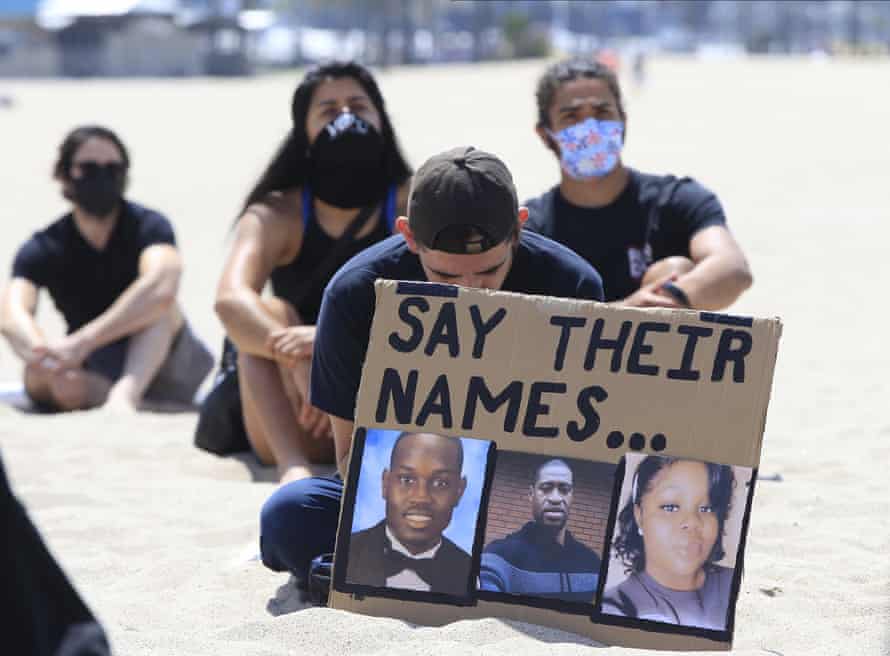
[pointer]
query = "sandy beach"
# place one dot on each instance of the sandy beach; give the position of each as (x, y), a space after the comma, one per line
(161, 538)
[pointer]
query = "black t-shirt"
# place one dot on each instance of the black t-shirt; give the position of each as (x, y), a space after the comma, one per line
(614, 238)
(83, 281)
(540, 267)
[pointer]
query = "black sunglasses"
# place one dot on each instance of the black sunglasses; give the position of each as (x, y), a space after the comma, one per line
(90, 167)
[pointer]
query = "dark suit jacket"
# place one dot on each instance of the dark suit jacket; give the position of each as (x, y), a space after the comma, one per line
(367, 550)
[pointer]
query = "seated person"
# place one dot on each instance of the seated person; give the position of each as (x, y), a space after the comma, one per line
(543, 558)
(112, 269)
(657, 241)
(464, 226)
(334, 187)
(421, 487)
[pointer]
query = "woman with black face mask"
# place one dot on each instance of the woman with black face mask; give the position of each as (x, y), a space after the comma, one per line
(334, 187)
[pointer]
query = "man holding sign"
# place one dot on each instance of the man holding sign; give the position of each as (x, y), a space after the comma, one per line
(464, 227)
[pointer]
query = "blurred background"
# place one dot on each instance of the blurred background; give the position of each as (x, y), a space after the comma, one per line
(242, 37)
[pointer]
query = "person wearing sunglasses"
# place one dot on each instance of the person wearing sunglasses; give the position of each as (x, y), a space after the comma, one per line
(112, 269)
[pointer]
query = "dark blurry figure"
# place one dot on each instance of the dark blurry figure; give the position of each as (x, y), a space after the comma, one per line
(43, 615)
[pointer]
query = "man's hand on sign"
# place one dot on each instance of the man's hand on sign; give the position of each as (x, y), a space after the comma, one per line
(292, 344)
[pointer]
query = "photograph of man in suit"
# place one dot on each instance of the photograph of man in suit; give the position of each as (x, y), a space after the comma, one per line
(407, 550)
(543, 558)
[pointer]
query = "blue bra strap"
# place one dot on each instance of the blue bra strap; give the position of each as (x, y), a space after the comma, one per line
(308, 207)
(389, 209)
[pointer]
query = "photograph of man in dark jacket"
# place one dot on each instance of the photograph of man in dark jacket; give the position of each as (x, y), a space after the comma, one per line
(543, 559)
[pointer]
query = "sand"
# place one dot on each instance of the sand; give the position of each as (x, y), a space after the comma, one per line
(159, 537)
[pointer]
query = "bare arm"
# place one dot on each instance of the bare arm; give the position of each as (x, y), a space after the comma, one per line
(721, 272)
(17, 319)
(267, 236)
(342, 442)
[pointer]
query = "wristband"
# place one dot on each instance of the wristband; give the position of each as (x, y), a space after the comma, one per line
(678, 294)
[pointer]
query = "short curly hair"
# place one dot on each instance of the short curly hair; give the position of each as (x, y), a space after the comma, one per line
(571, 69)
(628, 544)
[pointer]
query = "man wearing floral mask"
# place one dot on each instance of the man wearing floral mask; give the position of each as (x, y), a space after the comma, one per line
(657, 241)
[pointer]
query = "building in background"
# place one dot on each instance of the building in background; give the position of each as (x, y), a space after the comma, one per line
(235, 37)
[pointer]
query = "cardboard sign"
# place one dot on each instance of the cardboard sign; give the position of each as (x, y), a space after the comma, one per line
(554, 461)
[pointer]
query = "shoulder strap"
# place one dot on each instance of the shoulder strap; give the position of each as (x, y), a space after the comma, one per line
(333, 259)
(389, 209)
(308, 209)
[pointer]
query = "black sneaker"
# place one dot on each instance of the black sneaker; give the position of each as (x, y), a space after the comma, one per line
(320, 579)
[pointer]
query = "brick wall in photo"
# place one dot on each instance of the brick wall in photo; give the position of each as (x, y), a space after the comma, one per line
(509, 506)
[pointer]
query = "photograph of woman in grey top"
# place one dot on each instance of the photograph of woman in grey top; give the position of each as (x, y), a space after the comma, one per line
(670, 539)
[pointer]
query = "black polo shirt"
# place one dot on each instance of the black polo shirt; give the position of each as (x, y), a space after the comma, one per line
(82, 280)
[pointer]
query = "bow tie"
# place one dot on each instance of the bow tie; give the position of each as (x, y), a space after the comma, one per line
(395, 562)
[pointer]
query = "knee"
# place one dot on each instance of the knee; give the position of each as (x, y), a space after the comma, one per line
(282, 522)
(282, 310)
(69, 391)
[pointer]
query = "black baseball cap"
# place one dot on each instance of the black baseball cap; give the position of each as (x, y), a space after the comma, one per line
(458, 196)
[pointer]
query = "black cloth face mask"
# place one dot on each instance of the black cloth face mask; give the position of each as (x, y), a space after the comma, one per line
(99, 189)
(346, 163)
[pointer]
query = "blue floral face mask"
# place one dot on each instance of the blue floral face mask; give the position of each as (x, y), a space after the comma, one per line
(590, 149)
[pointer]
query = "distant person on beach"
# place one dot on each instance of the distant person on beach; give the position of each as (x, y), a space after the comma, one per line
(407, 549)
(112, 269)
(543, 558)
(657, 240)
(670, 537)
(334, 187)
(464, 226)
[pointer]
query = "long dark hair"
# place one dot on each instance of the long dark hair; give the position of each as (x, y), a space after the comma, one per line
(629, 543)
(289, 167)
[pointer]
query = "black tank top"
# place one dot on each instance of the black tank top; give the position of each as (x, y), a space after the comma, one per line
(286, 279)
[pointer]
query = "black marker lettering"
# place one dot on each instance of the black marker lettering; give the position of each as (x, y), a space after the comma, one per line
(586, 397)
(408, 345)
(686, 372)
(536, 409)
(477, 390)
(566, 323)
(402, 397)
(725, 353)
(438, 402)
(640, 347)
(615, 345)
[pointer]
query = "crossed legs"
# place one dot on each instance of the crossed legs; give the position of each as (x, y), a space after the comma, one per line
(81, 389)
